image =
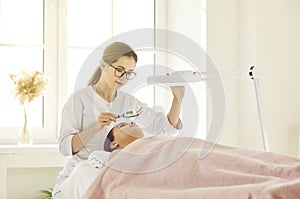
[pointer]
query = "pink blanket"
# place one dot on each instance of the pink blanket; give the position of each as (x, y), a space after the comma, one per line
(164, 167)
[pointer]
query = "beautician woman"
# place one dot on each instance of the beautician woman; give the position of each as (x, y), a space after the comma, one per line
(89, 111)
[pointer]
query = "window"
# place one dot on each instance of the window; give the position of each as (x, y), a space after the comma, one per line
(25, 44)
(89, 23)
(56, 36)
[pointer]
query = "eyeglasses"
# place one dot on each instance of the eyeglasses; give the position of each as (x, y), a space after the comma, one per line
(119, 72)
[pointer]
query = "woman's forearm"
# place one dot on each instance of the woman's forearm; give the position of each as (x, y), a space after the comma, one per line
(173, 115)
(80, 139)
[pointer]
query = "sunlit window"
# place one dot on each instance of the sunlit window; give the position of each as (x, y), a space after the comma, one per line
(56, 37)
(89, 24)
(21, 46)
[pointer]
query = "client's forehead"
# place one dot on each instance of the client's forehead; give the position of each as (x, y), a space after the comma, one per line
(133, 131)
(125, 123)
(121, 124)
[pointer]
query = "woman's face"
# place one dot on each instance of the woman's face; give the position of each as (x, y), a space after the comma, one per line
(125, 133)
(125, 64)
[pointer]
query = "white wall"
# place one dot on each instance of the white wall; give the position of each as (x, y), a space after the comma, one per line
(264, 33)
(187, 19)
(30, 181)
(28, 169)
(223, 49)
(278, 52)
(249, 128)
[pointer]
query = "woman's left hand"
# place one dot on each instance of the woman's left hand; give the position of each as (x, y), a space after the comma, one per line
(178, 92)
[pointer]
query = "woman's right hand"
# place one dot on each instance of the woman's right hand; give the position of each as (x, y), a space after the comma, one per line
(105, 119)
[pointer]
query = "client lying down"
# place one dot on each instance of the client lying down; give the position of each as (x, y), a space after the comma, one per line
(85, 172)
(170, 167)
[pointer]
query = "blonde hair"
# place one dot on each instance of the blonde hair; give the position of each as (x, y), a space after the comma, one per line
(110, 55)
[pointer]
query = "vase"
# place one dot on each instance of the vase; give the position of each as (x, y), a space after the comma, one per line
(24, 133)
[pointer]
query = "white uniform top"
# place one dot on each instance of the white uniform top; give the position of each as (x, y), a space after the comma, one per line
(83, 175)
(82, 110)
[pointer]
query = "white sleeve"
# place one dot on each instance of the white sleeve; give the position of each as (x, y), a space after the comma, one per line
(79, 180)
(154, 122)
(70, 125)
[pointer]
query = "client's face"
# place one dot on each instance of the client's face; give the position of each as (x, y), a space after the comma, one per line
(125, 133)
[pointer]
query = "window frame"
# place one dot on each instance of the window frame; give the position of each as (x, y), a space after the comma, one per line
(55, 66)
(46, 134)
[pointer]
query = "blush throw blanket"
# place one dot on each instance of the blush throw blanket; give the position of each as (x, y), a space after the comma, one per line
(170, 167)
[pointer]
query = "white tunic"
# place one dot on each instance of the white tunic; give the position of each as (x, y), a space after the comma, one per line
(82, 110)
(84, 174)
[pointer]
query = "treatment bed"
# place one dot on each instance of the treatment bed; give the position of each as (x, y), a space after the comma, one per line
(170, 167)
